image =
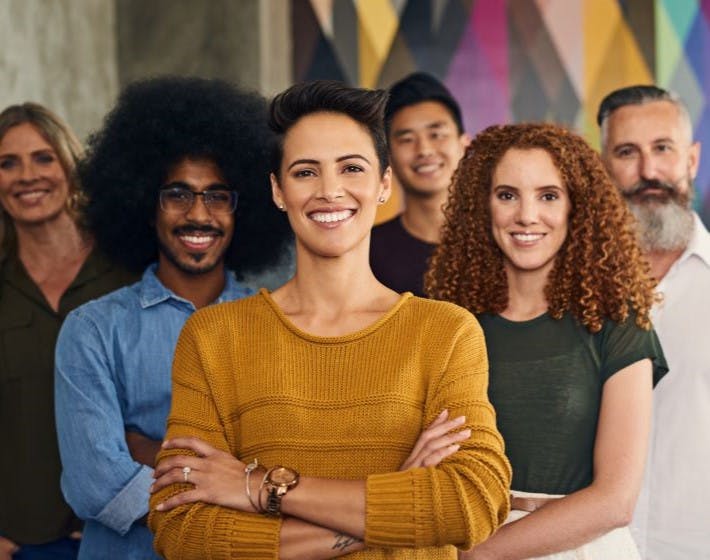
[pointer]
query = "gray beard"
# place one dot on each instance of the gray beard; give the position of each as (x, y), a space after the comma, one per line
(664, 226)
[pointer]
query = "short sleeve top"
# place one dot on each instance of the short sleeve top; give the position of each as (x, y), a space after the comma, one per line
(546, 380)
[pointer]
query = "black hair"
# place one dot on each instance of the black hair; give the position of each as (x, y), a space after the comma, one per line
(364, 106)
(417, 88)
(159, 122)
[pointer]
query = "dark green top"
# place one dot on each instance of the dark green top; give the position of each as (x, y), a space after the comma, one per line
(32, 509)
(546, 379)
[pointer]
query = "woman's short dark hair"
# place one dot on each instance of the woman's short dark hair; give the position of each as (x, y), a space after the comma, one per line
(159, 122)
(365, 106)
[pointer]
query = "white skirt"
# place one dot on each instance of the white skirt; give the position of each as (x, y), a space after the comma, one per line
(617, 544)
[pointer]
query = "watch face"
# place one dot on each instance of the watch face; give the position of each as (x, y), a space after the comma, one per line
(283, 476)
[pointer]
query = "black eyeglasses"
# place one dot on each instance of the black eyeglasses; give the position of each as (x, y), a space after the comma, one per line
(178, 198)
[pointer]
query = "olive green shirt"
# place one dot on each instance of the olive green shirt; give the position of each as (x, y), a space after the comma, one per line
(32, 509)
(546, 380)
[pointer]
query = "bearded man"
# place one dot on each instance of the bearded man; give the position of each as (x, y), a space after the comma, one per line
(648, 149)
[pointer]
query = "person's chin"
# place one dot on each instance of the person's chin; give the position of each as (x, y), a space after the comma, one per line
(196, 263)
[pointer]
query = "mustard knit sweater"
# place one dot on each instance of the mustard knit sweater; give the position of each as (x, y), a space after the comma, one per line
(246, 380)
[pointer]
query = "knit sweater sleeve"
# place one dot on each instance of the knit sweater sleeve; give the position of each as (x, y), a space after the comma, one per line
(464, 499)
(203, 531)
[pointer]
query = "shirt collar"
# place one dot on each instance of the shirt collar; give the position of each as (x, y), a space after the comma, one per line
(699, 243)
(152, 291)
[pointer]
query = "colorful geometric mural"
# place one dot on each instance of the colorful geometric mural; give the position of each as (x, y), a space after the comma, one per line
(517, 60)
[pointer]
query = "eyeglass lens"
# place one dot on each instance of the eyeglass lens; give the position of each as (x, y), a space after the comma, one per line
(181, 199)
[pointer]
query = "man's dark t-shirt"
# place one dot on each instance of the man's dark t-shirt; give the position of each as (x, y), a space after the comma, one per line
(398, 259)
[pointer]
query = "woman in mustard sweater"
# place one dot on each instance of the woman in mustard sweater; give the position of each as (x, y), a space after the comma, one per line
(297, 416)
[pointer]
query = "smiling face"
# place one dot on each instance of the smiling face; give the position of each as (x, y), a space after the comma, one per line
(425, 148)
(330, 184)
(193, 241)
(530, 209)
(33, 184)
(650, 156)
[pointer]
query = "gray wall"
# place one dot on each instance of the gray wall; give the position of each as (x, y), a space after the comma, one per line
(244, 41)
(74, 55)
(61, 53)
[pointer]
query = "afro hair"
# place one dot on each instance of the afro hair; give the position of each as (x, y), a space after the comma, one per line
(155, 124)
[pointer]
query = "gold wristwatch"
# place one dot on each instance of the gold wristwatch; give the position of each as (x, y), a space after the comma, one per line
(279, 480)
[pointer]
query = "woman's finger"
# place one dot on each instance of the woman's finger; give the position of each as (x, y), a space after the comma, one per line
(199, 446)
(436, 430)
(437, 457)
(177, 462)
(177, 476)
(429, 453)
(444, 441)
(187, 497)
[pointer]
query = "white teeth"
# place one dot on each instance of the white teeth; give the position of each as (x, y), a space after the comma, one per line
(31, 196)
(328, 217)
(197, 240)
(527, 236)
(428, 168)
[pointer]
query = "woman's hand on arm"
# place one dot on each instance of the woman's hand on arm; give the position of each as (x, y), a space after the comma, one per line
(437, 442)
(220, 478)
(332, 510)
(619, 457)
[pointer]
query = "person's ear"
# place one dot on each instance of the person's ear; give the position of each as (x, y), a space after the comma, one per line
(693, 160)
(276, 192)
(385, 186)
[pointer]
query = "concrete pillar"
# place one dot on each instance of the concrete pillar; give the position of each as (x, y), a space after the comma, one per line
(62, 54)
(245, 41)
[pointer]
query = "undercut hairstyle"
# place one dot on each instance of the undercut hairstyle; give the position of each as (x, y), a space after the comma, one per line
(640, 95)
(418, 88)
(364, 106)
(598, 273)
(156, 124)
(59, 136)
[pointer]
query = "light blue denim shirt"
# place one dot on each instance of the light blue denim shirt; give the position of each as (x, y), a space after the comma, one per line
(113, 362)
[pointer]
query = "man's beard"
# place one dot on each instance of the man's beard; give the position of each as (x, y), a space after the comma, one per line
(196, 267)
(664, 221)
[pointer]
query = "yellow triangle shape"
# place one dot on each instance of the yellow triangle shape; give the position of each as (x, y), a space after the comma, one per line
(377, 27)
(616, 62)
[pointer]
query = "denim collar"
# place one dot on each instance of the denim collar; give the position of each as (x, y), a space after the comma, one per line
(151, 291)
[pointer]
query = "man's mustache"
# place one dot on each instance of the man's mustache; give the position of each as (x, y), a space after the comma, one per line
(187, 230)
(647, 184)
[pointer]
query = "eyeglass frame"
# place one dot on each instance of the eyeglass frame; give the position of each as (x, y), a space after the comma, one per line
(184, 187)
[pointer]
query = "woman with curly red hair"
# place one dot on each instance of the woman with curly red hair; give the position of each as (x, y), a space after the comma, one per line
(539, 245)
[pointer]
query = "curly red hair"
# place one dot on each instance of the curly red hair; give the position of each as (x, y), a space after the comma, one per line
(599, 271)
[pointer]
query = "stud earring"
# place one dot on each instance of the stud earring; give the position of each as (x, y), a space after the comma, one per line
(381, 200)
(281, 207)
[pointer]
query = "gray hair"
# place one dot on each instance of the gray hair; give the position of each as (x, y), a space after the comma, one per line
(640, 95)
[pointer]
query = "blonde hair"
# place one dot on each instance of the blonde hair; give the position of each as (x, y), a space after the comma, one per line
(57, 133)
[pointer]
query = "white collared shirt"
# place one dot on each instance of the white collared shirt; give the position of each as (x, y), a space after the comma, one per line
(672, 517)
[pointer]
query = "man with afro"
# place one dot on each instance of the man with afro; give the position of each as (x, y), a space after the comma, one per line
(178, 187)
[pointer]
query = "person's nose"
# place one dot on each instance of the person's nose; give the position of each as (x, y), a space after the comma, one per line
(648, 167)
(527, 213)
(198, 212)
(330, 187)
(425, 147)
(27, 171)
